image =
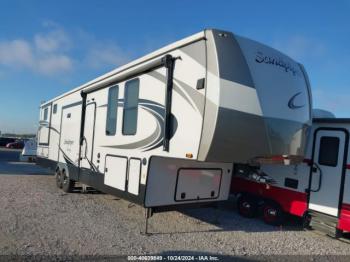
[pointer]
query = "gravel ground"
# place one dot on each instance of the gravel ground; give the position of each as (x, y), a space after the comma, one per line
(36, 218)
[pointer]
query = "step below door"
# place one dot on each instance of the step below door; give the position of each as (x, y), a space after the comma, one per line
(328, 171)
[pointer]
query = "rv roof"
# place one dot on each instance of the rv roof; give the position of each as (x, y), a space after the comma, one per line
(159, 52)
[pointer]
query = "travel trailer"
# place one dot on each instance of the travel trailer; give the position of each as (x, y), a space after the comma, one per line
(164, 130)
(28, 153)
(317, 190)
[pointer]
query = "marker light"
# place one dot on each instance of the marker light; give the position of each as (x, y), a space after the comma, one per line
(189, 155)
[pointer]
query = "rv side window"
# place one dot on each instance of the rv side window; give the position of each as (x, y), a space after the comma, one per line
(54, 108)
(131, 107)
(112, 106)
(45, 114)
(329, 148)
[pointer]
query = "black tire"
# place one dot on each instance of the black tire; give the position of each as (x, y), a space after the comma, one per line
(58, 178)
(247, 206)
(338, 233)
(67, 184)
(272, 213)
(306, 219)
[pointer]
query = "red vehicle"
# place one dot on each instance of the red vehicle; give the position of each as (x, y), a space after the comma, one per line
(5, 140)
(317, 190)
(17, 145)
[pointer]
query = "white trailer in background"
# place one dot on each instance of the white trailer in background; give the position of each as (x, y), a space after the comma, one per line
(317, 190)
(164, 130)
(28, 153)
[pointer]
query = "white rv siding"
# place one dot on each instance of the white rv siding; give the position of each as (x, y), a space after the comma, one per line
(207, 105)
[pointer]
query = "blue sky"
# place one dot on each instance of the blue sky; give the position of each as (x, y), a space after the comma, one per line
(49, 47)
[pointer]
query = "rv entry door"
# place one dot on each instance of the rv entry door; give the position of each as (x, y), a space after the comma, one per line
(327, 172)
(87, 147)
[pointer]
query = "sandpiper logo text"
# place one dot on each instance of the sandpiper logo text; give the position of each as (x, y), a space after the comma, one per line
(261, 58)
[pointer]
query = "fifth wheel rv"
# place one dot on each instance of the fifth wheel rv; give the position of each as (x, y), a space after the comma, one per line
(164, 130)
(317, 190)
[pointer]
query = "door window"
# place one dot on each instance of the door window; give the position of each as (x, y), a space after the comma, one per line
(329, 149)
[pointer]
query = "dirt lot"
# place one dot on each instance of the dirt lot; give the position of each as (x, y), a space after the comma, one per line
(37, 218)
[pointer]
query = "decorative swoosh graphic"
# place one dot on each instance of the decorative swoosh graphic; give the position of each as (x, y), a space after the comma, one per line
(194, 98)
(43, 123)
(159, 132)
(291, 104)
(155, 139)
(46, 124)
(66, 158)
(54, 129)
(71, 162)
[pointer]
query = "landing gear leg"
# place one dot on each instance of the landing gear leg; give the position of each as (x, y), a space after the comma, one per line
(217, 215)
(148, 214)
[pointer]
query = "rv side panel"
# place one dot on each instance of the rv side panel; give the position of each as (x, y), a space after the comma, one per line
(176, 181)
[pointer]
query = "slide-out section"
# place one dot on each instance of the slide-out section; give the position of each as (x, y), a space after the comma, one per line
(197, 184)
(173, 181)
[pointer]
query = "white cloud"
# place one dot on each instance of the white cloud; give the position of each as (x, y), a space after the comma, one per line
(52, 41)
(100, 55)
(300, 47)
(44, 54)
(51, 52)
(16, 53)
(54, 63)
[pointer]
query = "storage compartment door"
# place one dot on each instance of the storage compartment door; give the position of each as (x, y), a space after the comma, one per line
(115, 172)
(134, 176)
(198, 184)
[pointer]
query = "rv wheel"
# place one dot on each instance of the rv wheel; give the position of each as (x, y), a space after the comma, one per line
(247, 206)
(67, 184)
(272, 213)
(58, 178)
(338, 233)
(306, 219)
